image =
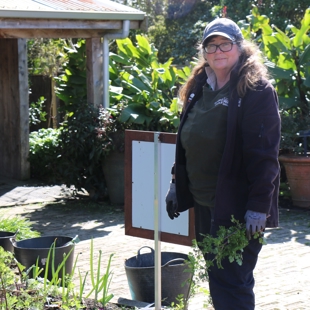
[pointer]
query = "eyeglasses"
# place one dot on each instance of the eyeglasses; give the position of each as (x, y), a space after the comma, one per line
(224, 47)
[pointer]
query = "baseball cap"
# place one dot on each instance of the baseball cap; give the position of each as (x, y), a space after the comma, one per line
(222, 27)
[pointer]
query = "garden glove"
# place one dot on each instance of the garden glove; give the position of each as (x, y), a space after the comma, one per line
(255, 222)
(171, 202)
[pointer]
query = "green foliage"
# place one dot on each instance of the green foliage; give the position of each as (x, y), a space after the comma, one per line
(71, 84)
(72, 154)
(151, 8)
(81, 151)
(288, 54)
(142, 96)
(36, 113)
(175, 27)
(44, 149)
(280, 12)
(111, 130)
(145, 87)
(177, 32)
(22, 226)
(46, 56)
(10, 284)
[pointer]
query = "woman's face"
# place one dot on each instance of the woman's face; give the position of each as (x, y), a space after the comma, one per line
(222, 62)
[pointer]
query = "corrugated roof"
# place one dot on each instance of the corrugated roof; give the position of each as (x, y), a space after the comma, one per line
(8, 7)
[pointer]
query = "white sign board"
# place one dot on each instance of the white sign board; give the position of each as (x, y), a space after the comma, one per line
(139, 177)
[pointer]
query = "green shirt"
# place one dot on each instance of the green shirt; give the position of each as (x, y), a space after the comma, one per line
(203, 137)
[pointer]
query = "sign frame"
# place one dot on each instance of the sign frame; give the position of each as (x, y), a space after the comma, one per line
(148, 136)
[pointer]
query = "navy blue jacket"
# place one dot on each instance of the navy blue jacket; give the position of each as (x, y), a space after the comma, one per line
(249, 172)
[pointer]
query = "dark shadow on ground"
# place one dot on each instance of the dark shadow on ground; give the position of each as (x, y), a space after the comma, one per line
(294, 225)
(85, 218)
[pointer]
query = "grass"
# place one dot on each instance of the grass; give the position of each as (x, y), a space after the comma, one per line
(18, 224)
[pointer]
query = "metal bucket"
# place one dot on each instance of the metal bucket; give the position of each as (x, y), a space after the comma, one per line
(175, 276)
(5, 241)
(27, 251)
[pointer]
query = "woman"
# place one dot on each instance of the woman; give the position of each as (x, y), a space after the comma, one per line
(227, 153)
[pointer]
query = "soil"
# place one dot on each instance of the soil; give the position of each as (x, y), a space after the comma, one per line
(89, 304)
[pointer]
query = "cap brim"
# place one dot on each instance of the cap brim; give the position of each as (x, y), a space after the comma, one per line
(223, 34)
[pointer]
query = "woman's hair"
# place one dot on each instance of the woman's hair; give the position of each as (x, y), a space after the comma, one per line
(251, 70)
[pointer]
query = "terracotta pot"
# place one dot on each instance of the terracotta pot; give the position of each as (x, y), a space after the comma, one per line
(297, 170)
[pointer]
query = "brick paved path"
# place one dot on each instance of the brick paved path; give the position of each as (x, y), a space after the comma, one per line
(282, 274)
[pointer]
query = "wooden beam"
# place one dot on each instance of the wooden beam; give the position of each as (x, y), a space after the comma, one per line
(18, 23)
(14, 109)
(23, 92)
(94, 71)
(53, 33)
(49, 34)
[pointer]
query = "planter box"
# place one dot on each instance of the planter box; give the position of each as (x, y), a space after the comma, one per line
(297, 170)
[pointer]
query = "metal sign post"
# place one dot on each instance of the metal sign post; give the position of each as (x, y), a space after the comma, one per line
(157, 228)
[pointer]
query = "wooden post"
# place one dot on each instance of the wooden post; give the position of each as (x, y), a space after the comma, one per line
(94, 71)
(54, 107)
(14, 109)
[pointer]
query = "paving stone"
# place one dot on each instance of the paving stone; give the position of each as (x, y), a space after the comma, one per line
(282, 274)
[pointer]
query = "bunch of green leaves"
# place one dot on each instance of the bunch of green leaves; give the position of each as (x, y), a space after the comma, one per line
(228, 244)
(288, 59)
(44, 150)
(145, 87)
(36, 113)
(22, 226)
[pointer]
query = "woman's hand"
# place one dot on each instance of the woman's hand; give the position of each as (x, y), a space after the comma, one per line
(255, 222)
(171, 202)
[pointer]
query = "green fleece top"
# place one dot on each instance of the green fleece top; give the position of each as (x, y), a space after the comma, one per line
(203, 137)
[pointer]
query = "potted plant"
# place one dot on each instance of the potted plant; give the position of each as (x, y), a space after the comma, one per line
(142, 97)
(288, 54)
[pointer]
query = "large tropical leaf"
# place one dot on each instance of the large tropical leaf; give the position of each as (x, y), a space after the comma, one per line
(135, 113)
(279, 73)
(288, 103)
(305, 56)
(144, 44)
(120, 59)
(132, 83)
(305, 26)
(307, 81)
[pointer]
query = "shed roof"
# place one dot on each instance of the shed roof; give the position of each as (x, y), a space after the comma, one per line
(68, 9)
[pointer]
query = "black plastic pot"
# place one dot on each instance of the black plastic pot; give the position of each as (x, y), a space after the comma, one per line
(5, 241)
(140, 271)
(27, 251)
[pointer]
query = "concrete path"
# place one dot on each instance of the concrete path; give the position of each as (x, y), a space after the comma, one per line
(282, 273)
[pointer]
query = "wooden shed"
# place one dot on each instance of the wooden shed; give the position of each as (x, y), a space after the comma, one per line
(97, 21)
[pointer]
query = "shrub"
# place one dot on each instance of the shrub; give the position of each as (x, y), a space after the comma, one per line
(44, 148)
(81, 151)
